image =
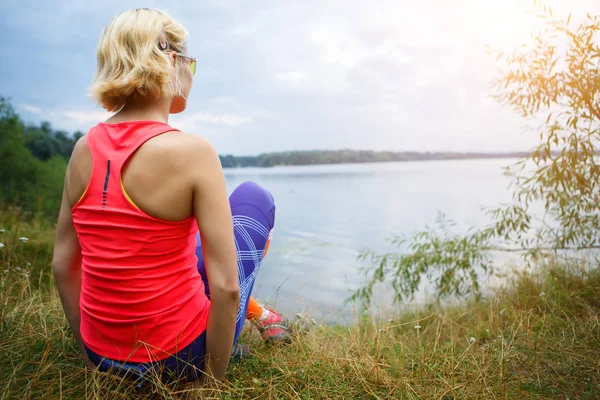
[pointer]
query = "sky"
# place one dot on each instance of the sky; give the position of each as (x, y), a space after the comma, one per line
(400, 75)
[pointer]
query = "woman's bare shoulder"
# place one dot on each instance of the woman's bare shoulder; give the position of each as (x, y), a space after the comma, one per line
(182, 145)
(81, 147)
(182, 154)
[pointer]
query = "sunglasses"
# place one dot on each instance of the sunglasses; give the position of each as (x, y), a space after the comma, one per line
(192, 62)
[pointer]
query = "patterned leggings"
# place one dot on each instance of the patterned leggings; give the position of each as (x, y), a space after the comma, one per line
(253, 211)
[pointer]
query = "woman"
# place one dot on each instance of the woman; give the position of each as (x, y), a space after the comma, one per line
(140, 289)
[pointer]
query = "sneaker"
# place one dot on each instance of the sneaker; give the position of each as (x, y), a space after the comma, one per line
(274, 328)
(240, 351)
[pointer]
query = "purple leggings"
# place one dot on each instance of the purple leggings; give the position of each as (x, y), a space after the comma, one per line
(253, 211)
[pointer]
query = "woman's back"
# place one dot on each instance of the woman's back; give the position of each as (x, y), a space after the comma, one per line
(155, 176)
(140, 287)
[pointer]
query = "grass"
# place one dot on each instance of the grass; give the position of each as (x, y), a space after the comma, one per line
(537, 337)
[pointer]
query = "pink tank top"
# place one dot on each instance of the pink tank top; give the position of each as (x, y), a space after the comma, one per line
(142, 298)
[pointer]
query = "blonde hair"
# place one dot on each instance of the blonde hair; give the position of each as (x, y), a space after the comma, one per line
(132, 61)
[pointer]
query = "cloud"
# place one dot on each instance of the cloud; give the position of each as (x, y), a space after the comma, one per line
(243, 30)
(194, 122)
(31, 109)
(291, 76)
(83, 117)
(223, 119)
(72, 119)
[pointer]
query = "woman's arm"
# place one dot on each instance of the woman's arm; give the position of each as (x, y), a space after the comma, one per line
(66, 267)
(213, 215)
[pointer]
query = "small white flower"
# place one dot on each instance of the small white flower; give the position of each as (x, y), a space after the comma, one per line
(2, 230)
(18, 269)
(502, 311)
(472, 340)
(29, 264)
(1, 245)
(23, 239)
(417, 327)
(542, 294)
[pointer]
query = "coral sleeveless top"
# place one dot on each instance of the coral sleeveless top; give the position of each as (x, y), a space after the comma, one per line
(142, 298)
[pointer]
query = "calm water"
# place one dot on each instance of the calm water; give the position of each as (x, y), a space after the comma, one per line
(327, 214)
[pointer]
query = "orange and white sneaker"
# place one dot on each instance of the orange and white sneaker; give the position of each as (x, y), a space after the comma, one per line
(273, 327)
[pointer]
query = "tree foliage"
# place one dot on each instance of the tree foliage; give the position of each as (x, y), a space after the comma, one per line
(33, 161)
(555, 82)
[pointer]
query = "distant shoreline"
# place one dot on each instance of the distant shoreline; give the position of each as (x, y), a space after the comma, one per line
(329, 157)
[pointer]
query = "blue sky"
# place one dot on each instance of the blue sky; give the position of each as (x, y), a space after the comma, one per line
(286, 75)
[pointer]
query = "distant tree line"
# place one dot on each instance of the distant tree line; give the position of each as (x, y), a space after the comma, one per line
(314, 157)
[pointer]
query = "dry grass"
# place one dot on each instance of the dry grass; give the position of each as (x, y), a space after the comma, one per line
(539, 337)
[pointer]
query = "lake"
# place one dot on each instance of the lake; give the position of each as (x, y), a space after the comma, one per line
(327, 214)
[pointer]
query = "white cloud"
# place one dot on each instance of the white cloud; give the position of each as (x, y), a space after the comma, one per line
(461, 94)
(243, 30)
(194, 122)
(74, 119)
(68, 119)
(291, 76)
(338, 46)
(191, 122)
(84, 117)
(224, 119)
(31, 109)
